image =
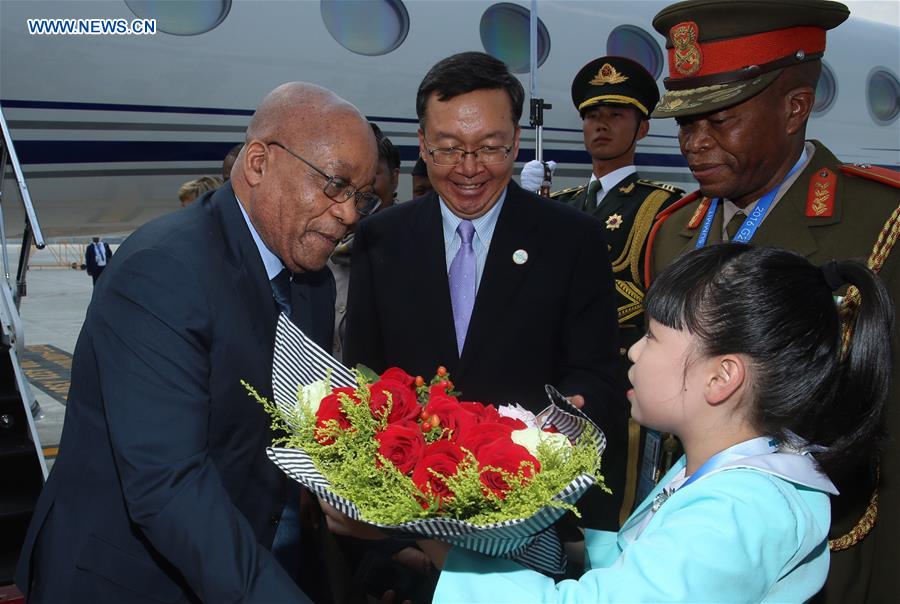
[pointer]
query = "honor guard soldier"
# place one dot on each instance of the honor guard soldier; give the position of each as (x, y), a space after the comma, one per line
(741, 86)
(615, 97)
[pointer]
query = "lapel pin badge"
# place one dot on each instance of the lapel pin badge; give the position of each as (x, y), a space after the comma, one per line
(520, 256)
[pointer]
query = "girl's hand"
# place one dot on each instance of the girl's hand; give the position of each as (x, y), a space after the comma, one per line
(341, 524)
(436, 550)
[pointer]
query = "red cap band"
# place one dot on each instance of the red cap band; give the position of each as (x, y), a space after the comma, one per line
(722, 56)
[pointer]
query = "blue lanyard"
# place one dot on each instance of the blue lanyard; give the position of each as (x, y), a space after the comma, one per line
(748, 228)
(761, 445)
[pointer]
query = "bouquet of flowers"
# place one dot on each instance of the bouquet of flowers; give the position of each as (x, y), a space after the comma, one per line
(406, 455)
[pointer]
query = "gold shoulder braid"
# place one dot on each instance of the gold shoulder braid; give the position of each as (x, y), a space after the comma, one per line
(643, 222)
(556, 194)
(882, 248)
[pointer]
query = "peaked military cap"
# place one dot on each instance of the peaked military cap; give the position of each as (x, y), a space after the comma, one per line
(722, 52)
(615, 81)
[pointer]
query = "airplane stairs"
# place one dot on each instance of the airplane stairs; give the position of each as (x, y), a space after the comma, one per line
(23, 468)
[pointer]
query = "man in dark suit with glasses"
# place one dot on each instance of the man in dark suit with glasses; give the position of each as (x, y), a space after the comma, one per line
(509, 291)
(162, 490)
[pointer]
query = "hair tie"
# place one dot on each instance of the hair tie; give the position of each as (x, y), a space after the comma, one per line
(831, 275)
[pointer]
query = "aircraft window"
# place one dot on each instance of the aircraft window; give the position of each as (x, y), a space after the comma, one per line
(366, 27)
(883, 96)
(826, 90)
(182, 18)
(505, 35)
(636, 44)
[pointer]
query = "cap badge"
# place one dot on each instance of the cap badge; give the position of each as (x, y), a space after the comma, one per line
(608, 75)
(688, 56)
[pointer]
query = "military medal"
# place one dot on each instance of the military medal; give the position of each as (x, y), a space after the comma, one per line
(614, 222)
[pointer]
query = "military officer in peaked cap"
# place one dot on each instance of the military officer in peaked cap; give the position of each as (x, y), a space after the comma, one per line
(741, 86)
(615, 97)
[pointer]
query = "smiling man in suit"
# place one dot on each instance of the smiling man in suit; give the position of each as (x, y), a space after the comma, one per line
(162, 491)
(508, 290)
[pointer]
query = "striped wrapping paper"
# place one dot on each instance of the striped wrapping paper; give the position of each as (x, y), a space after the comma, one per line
(530, 541)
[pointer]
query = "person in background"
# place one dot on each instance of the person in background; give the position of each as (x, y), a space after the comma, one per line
(742, 86)
(228, 161)
(193, 189)
(387, 176)
(96, 257)
(614, 97)
(420, 183)
(162, 490)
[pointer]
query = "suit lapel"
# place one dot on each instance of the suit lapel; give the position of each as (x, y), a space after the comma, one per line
(248, 274)
(502, 278)
(429, 272)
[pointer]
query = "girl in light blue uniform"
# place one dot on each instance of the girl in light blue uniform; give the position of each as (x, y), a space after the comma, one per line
(742, 361)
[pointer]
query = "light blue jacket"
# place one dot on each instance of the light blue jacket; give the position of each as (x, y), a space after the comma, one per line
(740, 534)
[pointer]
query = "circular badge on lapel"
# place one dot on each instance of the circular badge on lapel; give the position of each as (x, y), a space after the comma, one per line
(520, 256)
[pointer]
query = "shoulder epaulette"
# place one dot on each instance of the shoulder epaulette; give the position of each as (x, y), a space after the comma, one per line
(660, 185)
(885, 176)
(556, 194)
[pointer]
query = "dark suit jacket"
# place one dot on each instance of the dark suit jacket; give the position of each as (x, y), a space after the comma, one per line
(551, 320)
(90, 257)
(162, 491)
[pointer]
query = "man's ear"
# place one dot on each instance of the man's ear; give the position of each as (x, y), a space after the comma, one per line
(253, 164)
(799, 104)
(423, 150)
(643, 129)
(727, 374)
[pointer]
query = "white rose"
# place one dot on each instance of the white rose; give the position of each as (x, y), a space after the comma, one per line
(518, 412)
(531, 437)
(311, 395)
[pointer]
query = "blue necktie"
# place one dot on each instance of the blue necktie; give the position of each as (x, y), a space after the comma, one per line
(462, 282)
(281, 290)
(286, 545)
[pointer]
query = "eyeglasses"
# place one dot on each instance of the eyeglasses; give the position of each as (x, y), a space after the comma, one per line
(341, 190)
(451, 156)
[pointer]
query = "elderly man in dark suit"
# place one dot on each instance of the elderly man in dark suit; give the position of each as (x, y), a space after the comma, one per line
(162, 490)
(508, 290)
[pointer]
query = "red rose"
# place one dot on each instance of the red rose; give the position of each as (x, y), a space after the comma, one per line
(484, 434)
(442, 457)
(450, 414)
(489, 413)
(404, 405)
(330, 409)
(398, 375)
(403, 444)
(507, 456)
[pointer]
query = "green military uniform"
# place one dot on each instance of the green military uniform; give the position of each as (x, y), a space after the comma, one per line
(860, 209)
(722, 53)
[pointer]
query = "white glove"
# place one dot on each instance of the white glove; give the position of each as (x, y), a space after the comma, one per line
(533, 174)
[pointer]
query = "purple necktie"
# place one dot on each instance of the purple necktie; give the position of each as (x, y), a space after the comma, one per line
(462, 282)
